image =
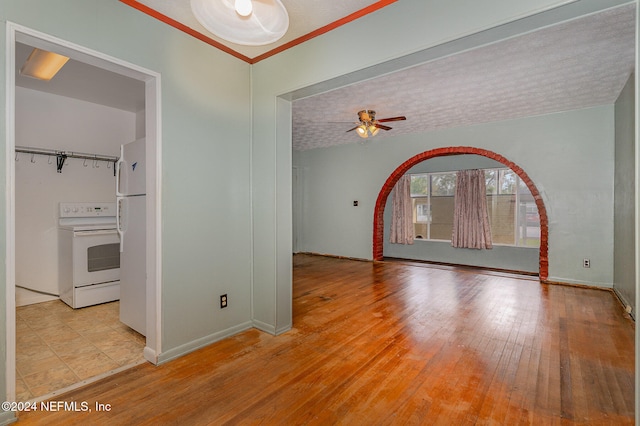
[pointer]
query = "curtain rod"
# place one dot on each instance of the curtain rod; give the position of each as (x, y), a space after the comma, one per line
(63, 155)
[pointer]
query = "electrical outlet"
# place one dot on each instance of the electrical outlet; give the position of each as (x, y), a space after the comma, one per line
(586, 263)
(223, 301)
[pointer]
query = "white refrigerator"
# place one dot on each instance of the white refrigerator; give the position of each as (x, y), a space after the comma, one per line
(131, 223)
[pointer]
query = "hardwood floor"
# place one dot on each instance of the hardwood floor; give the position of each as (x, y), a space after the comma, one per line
(392, 343)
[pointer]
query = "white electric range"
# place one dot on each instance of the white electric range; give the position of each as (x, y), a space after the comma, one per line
(88, 254)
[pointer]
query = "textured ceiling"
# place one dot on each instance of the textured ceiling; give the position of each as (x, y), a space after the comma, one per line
(577, 64)
(305, 17)
(573, 65)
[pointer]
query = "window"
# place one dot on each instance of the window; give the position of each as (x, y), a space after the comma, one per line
(432, 195)
(512, 210)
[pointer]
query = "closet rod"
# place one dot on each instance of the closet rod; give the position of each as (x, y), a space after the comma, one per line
(68, 154)
(63, 155)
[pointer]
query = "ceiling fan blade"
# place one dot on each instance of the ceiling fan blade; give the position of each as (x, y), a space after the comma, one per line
(384, 120)
(382, 126)
(351, 130)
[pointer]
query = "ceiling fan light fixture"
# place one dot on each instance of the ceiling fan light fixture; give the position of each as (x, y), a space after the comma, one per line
(362, 131)
(369, 125)
(266, 21)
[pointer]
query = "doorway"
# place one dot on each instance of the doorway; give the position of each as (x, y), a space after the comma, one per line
(378, 219)
(151, 130)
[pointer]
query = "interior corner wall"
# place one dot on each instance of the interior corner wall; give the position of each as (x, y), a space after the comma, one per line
(568, 156)
(624, 197)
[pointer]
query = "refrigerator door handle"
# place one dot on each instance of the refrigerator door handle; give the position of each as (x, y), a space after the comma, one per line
(119, 202)
(119, 164)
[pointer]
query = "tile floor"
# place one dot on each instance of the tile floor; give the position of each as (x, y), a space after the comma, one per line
(57, 346)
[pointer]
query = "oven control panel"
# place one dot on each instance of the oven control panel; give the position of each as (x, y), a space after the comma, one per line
(87, 209)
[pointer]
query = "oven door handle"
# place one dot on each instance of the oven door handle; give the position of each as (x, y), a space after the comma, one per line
(95, 233)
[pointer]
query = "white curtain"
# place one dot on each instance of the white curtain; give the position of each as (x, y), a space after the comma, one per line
(402, 212)
(471, 227)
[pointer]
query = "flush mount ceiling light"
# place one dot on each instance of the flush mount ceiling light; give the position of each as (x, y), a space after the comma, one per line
(246, 22)
(369, 126)
(42, 64)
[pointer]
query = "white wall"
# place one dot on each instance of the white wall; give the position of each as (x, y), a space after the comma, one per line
(625, 207)
(568, 156)
(60, 123)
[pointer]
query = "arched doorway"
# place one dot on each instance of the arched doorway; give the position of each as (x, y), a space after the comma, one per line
(378, 215)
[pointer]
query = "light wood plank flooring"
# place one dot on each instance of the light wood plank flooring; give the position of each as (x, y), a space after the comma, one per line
(391, 343)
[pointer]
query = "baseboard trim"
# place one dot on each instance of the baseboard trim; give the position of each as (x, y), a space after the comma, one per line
(263, 326)
(150, 355)
(628, 308)
(7, 418)
(595, 286)
(335, 256)
(177, 352)
(425, 262)
(194, 345)
(283, 330)
(456, 265)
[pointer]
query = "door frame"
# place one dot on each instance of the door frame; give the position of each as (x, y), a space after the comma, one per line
(18, 33)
